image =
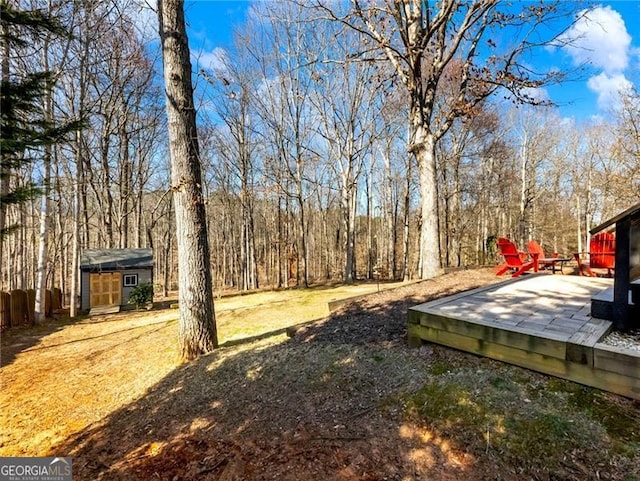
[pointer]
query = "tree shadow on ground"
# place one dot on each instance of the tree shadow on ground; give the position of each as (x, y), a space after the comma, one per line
(328, 403)
(22, 338)
(325, 404)
(29, 338)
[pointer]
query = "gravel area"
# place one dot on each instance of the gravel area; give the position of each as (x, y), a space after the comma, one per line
(627, 340)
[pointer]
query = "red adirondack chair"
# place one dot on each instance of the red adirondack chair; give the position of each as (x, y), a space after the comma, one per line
(513, 259)
(546, 261)
(602, 255)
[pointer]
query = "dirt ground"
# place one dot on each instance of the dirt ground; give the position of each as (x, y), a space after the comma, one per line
(331, 402)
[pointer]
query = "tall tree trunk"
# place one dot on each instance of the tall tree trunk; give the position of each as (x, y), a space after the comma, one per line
(523, 191)
(390, 213)
(370, 234)
(253, 262)
(456, 246)
(60, 236)
(125, 185)
(139, 202)
(588, 214)
(405, 224)
(107, 213)
(347, 200)
(424, 151)
(579, 223)
(23, 249)
(78, 186)
(43, 235)
(78, 206)
(446, 212)
(75, 249)
(4, 173)
(43, 241)
(351, 246)
(279, 242)
(302, 230)
(197, 332)
(288, 234)
(167, 249)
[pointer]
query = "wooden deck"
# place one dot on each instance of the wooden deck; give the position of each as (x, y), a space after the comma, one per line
(542, 322)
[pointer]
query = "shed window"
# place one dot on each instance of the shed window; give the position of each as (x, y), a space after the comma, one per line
(130, 280)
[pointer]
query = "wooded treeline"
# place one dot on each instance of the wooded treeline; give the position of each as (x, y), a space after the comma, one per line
(304, 140)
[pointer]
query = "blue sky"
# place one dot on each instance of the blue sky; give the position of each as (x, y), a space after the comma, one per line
(609, 43)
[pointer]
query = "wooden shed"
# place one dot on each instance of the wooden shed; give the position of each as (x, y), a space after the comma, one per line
(107, 276)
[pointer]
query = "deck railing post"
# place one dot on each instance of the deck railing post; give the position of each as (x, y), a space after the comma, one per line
(621, 276)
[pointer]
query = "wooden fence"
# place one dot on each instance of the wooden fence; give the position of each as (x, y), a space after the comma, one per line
(17, 308)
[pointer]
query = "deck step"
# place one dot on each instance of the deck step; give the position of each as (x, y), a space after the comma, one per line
(602, 304)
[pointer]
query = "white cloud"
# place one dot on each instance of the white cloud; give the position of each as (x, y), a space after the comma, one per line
(215, 61)
(599, 37)
(537, 94)
(608, 88)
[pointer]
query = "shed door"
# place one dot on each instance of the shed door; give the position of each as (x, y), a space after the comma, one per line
(106, 289)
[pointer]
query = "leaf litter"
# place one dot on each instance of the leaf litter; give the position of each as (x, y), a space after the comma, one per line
(343, 398)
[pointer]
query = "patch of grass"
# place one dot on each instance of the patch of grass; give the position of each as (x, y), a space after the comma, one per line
(499, 383)
(439, 368)
(262, 312)
(378, 357)
(542, 430)
(448, 405)
(621, 423)
(542, 436)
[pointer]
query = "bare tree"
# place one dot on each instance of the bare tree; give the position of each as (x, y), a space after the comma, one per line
(235, 85)
(43, 235)
(286, 57)
(197, 319)
(347, 102)
(627, 148)
(421, 40)
(46, 28)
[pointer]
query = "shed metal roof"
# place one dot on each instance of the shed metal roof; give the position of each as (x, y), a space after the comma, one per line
(116, 259)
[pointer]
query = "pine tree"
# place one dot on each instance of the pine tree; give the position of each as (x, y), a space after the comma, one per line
(27, 125)
(18, 103)
(24, 130)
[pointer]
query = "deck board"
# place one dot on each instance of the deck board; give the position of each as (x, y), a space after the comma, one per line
(541, 321)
